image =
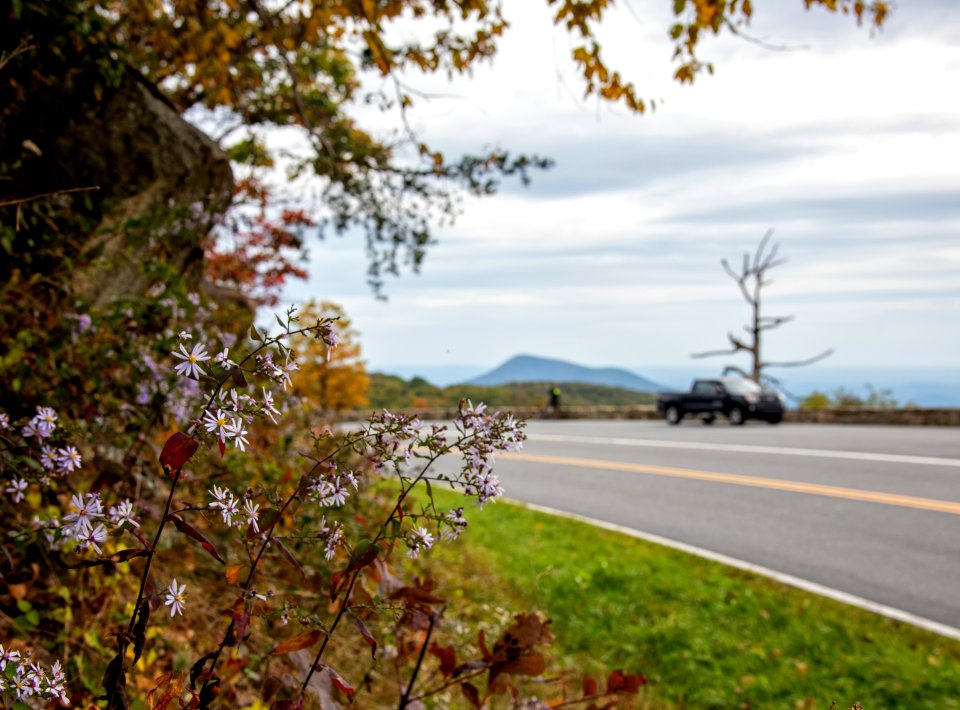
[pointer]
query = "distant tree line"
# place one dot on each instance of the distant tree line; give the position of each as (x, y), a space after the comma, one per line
(843, 398)
(392, 392)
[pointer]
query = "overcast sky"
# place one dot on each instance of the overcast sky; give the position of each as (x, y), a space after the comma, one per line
(847, 146)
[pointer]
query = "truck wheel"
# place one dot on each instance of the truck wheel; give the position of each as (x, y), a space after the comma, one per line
(673, 415)
(708, 419)
(736, 416)
(775, 419)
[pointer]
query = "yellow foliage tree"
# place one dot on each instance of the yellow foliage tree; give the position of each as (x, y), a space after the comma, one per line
(330, 379)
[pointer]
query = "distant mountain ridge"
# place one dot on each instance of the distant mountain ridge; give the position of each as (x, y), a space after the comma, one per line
(530, 368)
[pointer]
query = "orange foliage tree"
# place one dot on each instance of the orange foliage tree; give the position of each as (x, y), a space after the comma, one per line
(331, 379)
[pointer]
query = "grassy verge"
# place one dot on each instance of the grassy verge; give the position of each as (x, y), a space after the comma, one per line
(706, 636)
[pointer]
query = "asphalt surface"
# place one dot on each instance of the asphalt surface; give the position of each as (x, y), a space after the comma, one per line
(868, 510)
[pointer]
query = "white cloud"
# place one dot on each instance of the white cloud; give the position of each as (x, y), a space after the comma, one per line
(849, 149)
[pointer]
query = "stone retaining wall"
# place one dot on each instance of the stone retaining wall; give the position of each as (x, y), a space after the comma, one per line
(911, 417)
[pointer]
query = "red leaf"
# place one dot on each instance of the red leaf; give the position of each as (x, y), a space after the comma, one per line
(363, 554)
(482, 643)
(589, 687)
(340, 683)
(447, 656)
(222, 447)
(191, 531)
(620, 682)
(471, 694)
(365, 632)
(177, 451)
(241, 618)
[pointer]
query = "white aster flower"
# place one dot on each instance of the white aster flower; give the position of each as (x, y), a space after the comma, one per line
(420, 539)
(97, 534)
(68, 459)
(45, 421)
(16, 489)
(80, 522)
(218, 422)
(190, 366)
(8, 656)
(268, 407)
(252, 512)
(228, 509)
(174, 597)
(238, 433)
(48, 457)
(219, 495)
(223, 358)
(124, 513)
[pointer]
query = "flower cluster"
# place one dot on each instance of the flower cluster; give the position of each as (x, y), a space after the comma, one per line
(332, 535)
(41, 425)
(331, 488)
(53, 459)
(29, 679)
(394, 438)
(229, 507)
(483, 435)
(419, 539)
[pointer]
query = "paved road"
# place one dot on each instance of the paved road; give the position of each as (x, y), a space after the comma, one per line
(871, 511)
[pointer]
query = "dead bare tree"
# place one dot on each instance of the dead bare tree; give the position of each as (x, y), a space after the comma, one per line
(752, 278)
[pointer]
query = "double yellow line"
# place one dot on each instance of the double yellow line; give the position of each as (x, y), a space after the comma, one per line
(939, 506)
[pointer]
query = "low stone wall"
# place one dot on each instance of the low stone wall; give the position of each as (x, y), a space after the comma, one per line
(909, 417)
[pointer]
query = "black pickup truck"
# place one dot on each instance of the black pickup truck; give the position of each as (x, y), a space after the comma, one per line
(736, 398)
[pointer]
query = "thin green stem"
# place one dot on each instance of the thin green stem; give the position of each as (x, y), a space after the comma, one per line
(266, 543)
(346, 597)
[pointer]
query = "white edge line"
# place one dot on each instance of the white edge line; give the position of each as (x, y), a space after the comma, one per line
(749, 448)
(806, 585)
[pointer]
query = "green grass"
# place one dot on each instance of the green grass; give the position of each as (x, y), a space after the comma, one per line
(707, 636)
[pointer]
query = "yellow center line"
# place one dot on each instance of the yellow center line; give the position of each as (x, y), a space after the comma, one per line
(940, 506)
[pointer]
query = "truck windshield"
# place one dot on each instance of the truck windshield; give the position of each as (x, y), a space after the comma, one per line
(742, 386)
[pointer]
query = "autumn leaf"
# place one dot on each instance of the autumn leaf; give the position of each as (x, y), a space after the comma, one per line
(177, 451)
(471, 693)
(140, 631)
(340, 683)
(365, 632)
(116, 558)
(241, 618)
(304, 640)
(192, 532)
(620, 682)
(447, 656)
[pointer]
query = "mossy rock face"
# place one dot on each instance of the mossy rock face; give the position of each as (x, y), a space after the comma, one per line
(72, 116)
(166, 183)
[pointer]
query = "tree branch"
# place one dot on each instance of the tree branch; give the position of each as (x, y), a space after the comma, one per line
(801, 363)
(771, 322)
